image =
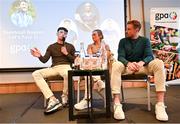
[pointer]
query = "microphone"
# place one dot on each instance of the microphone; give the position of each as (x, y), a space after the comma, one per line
(63, 39)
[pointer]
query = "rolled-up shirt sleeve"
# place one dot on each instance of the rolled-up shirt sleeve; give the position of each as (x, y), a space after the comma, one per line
(148, 54)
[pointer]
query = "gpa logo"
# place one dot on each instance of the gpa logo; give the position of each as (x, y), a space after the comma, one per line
(171, 15)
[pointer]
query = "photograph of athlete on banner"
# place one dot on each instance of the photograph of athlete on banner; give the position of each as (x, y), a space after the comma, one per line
(165, 43)
(164, 38)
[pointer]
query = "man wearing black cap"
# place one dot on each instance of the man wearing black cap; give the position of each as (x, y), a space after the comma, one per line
(62, 54)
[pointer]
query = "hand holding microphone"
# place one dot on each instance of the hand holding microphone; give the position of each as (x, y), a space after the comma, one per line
(63, 48)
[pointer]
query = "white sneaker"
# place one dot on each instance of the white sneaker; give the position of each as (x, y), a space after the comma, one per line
(100, 85)
(64, 99)
(160, 112)
(53, 105)
(83, 104)
(118, 112)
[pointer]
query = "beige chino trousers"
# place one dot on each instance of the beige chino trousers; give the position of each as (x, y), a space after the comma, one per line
(40, 75)
(155, 67)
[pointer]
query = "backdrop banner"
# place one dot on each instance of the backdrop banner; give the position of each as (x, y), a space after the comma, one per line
(165, 38)
(26, 24)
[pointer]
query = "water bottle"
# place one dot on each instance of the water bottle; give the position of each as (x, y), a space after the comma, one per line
(82, 54)
(104, 55)
(77, 60)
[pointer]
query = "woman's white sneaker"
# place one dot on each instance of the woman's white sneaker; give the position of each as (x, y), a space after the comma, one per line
(83, 104)
(118, 112)
(64, 99)
(100, 85)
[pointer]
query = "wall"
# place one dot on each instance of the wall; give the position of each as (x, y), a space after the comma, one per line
(16, 77)
(134, 11)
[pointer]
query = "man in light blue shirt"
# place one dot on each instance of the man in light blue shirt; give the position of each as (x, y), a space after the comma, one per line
(21, 17)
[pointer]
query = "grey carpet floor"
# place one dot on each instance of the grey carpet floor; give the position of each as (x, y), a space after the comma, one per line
(28, 108)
